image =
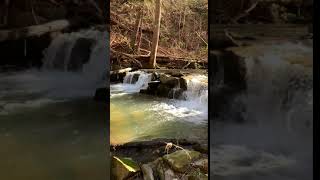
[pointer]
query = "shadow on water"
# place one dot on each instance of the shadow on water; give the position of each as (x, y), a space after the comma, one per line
(50, 126)
(63, 140)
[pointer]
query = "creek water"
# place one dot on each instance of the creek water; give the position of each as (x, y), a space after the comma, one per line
(50, 127)
(138, 117)
(275, 141)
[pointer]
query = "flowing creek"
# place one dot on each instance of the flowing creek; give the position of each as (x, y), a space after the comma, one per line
(275, 139)
(138, 117)
(50, 126)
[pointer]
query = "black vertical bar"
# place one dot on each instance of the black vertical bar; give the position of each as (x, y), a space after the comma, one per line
(316, 65)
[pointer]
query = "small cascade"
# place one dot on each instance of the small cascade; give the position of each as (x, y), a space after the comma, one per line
(133, 82)
(191, 100)
(141, 82)
(197, 90)
(280, 87)
(276, 113)
(74, 66)
(83, 51)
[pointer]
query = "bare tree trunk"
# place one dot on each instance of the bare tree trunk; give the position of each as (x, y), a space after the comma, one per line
(136, 33)
(156, 32)
(139, 38)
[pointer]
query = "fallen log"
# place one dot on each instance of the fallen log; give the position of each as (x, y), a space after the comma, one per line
(166, 60)
(161, 58)
(36, 30)
(121, 71)
(256, 31)
(226, 35)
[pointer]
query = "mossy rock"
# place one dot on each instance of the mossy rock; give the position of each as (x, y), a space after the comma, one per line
(197, 175)
(179, 160)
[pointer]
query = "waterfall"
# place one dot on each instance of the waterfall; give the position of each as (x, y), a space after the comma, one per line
(191, 106)
(84, 51)
(141, 79)
(74, 65)
(197, 85)
(133, 82)
(278, 91)
(197, 92)
(278, 115)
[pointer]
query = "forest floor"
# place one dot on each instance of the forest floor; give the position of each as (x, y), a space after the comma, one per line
(180, 39)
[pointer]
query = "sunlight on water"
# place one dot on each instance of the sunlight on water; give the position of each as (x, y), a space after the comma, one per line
(136, 117)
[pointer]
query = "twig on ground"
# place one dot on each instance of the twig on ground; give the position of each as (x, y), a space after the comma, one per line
(171, 145)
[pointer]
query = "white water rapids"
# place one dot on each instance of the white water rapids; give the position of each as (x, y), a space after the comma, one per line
(195, 104)
(146, 117)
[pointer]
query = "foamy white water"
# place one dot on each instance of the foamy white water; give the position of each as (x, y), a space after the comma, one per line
(52, 84)
(194, 108)
(280, 86)
(128, 86)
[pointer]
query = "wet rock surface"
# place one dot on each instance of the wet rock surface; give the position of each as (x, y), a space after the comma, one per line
(164, 83)
(164, 160)
(80, 53)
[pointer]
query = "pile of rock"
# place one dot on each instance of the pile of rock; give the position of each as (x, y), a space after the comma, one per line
(166, 85)
(181, 164)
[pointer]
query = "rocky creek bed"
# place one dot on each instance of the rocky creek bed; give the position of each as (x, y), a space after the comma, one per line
(145, 155)
(160, 160)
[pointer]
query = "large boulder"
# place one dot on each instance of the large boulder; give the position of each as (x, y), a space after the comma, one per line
(135, 78)
(179, 160)
(182, 164)
(170, 81)
(147, 172)
(183, 83)
(117, 77)
(80, 54)
(163, 90)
